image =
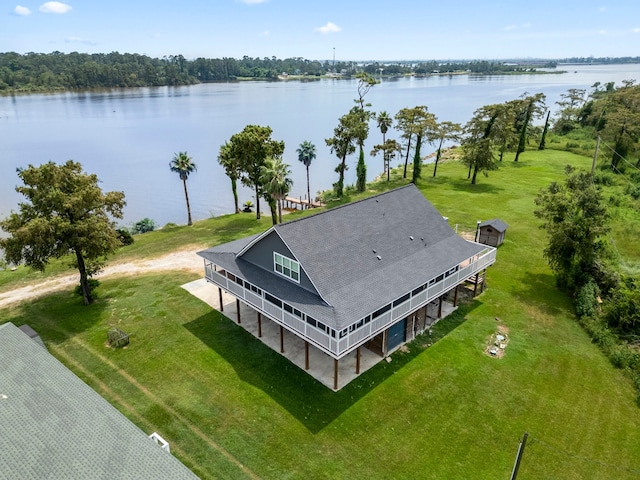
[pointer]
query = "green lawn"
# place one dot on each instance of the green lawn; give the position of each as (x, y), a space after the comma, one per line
(232, 408)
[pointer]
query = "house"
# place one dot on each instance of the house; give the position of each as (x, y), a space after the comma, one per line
(55, 426)
(369, 274)
(491, 232)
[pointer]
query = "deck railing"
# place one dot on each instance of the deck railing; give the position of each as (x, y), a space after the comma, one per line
(332, 344)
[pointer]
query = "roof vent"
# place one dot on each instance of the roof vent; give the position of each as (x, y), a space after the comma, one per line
(374, 250)
(411, 237)
(379, 257)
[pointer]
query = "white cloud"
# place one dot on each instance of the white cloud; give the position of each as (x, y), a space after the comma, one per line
(602, 9)
(265, 33)
(636, 30)
(510, 27)
(253, 2)
(20, 10)
(54, 7)
(330, 27)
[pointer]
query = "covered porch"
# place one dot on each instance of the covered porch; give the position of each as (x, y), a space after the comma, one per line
(332, 373)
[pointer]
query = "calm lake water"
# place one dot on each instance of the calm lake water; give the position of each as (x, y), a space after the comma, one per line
(128, 136)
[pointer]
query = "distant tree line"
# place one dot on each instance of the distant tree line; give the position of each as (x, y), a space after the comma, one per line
(68, 71)
(600, 60)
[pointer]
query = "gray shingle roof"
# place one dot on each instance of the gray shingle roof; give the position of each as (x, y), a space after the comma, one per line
(496, 224)
(54, 426)
(339, 249)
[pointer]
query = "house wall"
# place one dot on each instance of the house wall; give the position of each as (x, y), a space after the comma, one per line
(261, 254)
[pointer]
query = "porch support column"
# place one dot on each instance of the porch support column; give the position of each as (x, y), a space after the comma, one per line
(306, 355)
(475, 284)
(238, 311)
(440, 302)
(484, 278)
(358, 361)
(281, 339)
(455, 296)
(335, 374)
(220, 298)
(259, 325)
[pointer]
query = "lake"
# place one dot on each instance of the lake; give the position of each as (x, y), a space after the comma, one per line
(128, 136)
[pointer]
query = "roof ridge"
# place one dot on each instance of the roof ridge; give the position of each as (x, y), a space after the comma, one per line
(348, 204)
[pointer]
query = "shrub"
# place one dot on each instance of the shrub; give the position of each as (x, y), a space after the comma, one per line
(586, 299)
(143, 226)
(604, 178)
(622, 356)
(124, 236)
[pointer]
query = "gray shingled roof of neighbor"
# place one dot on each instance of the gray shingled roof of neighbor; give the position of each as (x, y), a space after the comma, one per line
(54, 426)
(339, 248)
(495, 223)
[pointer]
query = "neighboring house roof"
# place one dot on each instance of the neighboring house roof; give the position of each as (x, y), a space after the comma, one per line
(53, 425)
(338, 249)
(496, 224)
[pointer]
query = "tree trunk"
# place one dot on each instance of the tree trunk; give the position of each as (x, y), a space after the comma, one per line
(308, 188)
(435, 166)
(279, 200)
(417, 161)
(87, 298)
(406, 159)
(186, 196)
(475, 174)
(257, 204)
(234, 189)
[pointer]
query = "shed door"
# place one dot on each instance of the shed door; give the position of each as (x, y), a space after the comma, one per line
(396, 334)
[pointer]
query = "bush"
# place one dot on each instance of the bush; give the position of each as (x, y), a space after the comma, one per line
(143, 226)
(622, 356)
(604, 178)
(586, 299)
(124, 236)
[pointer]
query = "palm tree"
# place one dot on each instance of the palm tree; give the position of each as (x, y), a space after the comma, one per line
(275, 176)
(384, 123)
(183, 165)
(306, 154)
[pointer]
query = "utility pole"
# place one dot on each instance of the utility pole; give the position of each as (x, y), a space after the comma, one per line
(516, 466)
(595, 155)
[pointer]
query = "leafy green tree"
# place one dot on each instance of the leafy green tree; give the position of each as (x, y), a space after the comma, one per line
(623, 309)
(390, 148)
(532, 107)
(306, 155)
(343, 143)
(571, 104)
(276, 178)
(478, 143)
(575, 217)
(65, 212)
(233, 170)
(365, 82)
(183, 165)
(445, 131)
(409, 122)
(253, 147)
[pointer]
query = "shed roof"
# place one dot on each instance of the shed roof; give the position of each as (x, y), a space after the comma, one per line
(339, 249)
(55, 426)
(496, 224)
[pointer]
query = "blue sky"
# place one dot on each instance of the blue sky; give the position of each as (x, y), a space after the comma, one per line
(358, 30)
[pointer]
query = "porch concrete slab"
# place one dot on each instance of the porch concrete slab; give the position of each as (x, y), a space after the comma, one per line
(321, 365)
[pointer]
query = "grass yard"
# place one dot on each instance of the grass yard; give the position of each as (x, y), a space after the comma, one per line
(232, 408)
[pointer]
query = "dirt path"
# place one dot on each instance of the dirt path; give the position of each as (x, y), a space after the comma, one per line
(185, 260)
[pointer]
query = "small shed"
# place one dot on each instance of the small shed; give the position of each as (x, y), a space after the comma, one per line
(491, 232)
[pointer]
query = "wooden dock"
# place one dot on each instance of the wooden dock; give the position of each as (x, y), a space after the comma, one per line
(292, 203)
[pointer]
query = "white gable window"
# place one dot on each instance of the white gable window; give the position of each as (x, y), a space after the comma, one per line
(287, 267)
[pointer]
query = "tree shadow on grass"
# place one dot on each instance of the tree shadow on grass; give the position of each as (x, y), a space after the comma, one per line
(539, 290)
(309, 401)
(58, 316)
(466, 186)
